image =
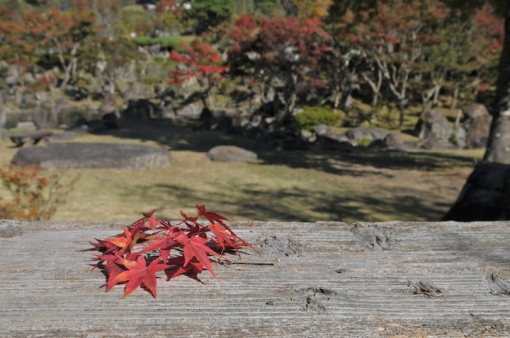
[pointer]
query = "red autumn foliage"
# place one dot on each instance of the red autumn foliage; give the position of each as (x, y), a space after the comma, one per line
(165, 6)
(201, 60)
(150, 245)
(493, 26)
(29, 34)
(285, 49)
(35, 195)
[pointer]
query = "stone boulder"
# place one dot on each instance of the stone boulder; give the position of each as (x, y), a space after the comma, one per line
(191, 111)
(485, 196)
(368, 133)
(433, 129)
(474, 110)
(323, 129)
(167, 110)
(477, 131)
(477, 122)
(231, 154)
(39, 117)
(391, 141)
(93, 156)
(108, 104)
(459, 138)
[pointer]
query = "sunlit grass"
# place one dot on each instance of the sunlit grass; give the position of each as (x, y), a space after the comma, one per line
(311, 185)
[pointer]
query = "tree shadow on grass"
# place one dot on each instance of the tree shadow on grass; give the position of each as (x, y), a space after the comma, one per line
(250, 201)
(178, 136)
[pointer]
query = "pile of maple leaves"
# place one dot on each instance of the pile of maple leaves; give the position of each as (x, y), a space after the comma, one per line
(150, 245)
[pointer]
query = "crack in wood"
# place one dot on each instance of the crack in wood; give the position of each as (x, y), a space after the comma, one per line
(314, 298)
(313, 305)
(10, 229)
(371, 237)
(425, 288)
(497, 286)
(277, 246)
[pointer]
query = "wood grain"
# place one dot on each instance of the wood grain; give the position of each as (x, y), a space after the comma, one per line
(314, 279)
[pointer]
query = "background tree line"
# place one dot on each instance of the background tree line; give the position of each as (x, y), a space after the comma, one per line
(388, 55)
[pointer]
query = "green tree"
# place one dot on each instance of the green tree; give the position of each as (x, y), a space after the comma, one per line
(211, 13)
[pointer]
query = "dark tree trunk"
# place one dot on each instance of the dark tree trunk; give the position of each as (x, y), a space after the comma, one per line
(486, 194)
(498, 146)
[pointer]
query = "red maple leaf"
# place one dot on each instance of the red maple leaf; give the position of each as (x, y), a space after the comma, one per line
(177, 268)
(139, 274)
(122, 260)
(112, 270)
(103, 246)
(164, 244)
(224, 237)
(195, 247)
(126, 242)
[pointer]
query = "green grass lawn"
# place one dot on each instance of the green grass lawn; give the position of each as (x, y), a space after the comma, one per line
(311, 185)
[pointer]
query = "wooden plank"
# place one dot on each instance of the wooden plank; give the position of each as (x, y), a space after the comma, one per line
(314, 279)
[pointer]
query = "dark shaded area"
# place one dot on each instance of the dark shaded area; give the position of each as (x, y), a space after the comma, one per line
(485, 196)
(178, 136)
(274, 203)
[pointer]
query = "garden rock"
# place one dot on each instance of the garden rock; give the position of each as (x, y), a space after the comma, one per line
(25, 126)
(39, 118)
(167, 110)
(59, 106)
(393, 139)
(323, 129)
(190, 111)
(307, 135)
(108, 104)
(485, 196)
(66, 135)
(366, 133)
(477, 131)
(231, 154)
(93, 156)
(434, 130)
(474, 110)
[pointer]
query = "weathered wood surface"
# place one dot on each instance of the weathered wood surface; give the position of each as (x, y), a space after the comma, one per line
(314, 279)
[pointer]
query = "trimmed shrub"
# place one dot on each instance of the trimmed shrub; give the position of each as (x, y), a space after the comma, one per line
(313, 116)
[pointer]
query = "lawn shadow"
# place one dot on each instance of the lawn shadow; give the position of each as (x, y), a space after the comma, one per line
(304, 205)
(179, 136)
